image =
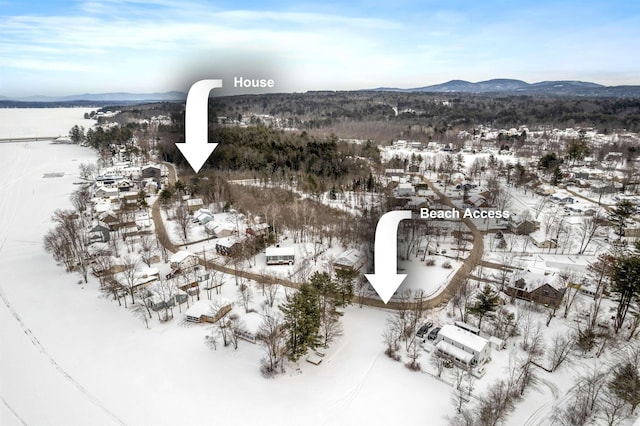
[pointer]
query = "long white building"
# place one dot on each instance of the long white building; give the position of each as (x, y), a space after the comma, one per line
(463, 346)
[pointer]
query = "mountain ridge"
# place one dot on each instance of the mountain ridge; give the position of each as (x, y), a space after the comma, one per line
(512, 86)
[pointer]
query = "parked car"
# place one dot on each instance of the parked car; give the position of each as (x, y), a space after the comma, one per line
(424, 329)
(433, 333)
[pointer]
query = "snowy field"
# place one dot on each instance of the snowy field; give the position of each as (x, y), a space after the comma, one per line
(72, 357)
(34, 122)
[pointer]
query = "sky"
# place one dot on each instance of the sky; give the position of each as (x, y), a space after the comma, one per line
(141, 46)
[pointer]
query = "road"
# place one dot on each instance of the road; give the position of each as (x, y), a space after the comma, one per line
(458, 279)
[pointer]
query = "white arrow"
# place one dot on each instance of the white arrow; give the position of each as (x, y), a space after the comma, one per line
(386, 280)
(196, 147)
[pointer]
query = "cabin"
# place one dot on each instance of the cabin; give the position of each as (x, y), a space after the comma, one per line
(477, 201)
(259, 230)
(183, 260)
(216, 230)
(462, 346)
(404, 190)
(99, 233)
(539, 292)
(208, 311)
(521, 226)
(202, 217)
(194, 204)
(106, 192)
(280, 255)
(228, 246)
(151, 171)
(350, 260)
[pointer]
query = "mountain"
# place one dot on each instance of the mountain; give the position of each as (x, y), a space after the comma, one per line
(511, 86)
(104, 97)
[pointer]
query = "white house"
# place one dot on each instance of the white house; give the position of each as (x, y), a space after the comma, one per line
(280, 255)
(463, 346)
(106, 192)
(183, 260)
(405, 190)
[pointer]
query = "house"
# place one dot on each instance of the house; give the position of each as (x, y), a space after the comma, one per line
(350, 260)
(522, 226)
(228, 246)
(151, 171)
(536, 291)
(106, 192)
(404, 190)
(157, 302)
(259, 230)
(394, 172)
(561, 199)
(208, 311)
(110, 218)
(183, 260)
(280, 255)
(202, 218)
(124, 185)
(477, 201)
(217, 230)
(99, 233)
(462, 346)
(194, 204)
(540, 242)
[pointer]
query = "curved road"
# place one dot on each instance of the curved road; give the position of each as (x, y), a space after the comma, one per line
(458, 279)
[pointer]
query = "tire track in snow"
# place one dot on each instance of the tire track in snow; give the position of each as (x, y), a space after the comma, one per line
(7, 218)
(34, 340)
(6, 404)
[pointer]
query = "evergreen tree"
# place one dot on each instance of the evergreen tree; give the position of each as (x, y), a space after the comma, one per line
(345, 278)
(557, 175)
(626, 384)
(301, 321)
(327, 291)
(486, 301)
(625, 286)
(620, 213)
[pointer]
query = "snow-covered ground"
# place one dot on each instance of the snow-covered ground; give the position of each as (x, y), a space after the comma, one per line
(72, 357)
(38, 122)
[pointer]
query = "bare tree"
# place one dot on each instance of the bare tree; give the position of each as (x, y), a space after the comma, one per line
(146, 248)
(587, 230)
(130, 273)
(183, 220)
(245, 294)
(270, 288)
(271, 337)
(140, 311)
(612, 409)
(560, 349)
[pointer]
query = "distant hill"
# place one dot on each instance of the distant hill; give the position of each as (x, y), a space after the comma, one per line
(510, 86)
(104, 97)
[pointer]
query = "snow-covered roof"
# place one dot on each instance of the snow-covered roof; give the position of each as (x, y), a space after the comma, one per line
(180, 256)
(463, 337)
(192, 202)
(455, 352)
(280, 251)
(227, 242)
(207, 307)
(350, 258)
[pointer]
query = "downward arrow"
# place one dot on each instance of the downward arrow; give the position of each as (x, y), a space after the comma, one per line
(385, 279)
(196, 149)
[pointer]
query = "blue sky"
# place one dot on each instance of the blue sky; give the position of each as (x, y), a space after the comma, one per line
(71, 47)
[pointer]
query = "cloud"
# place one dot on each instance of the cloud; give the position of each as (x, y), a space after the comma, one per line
(134, 43)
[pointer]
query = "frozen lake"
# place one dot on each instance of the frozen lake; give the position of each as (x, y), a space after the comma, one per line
(37, 122)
